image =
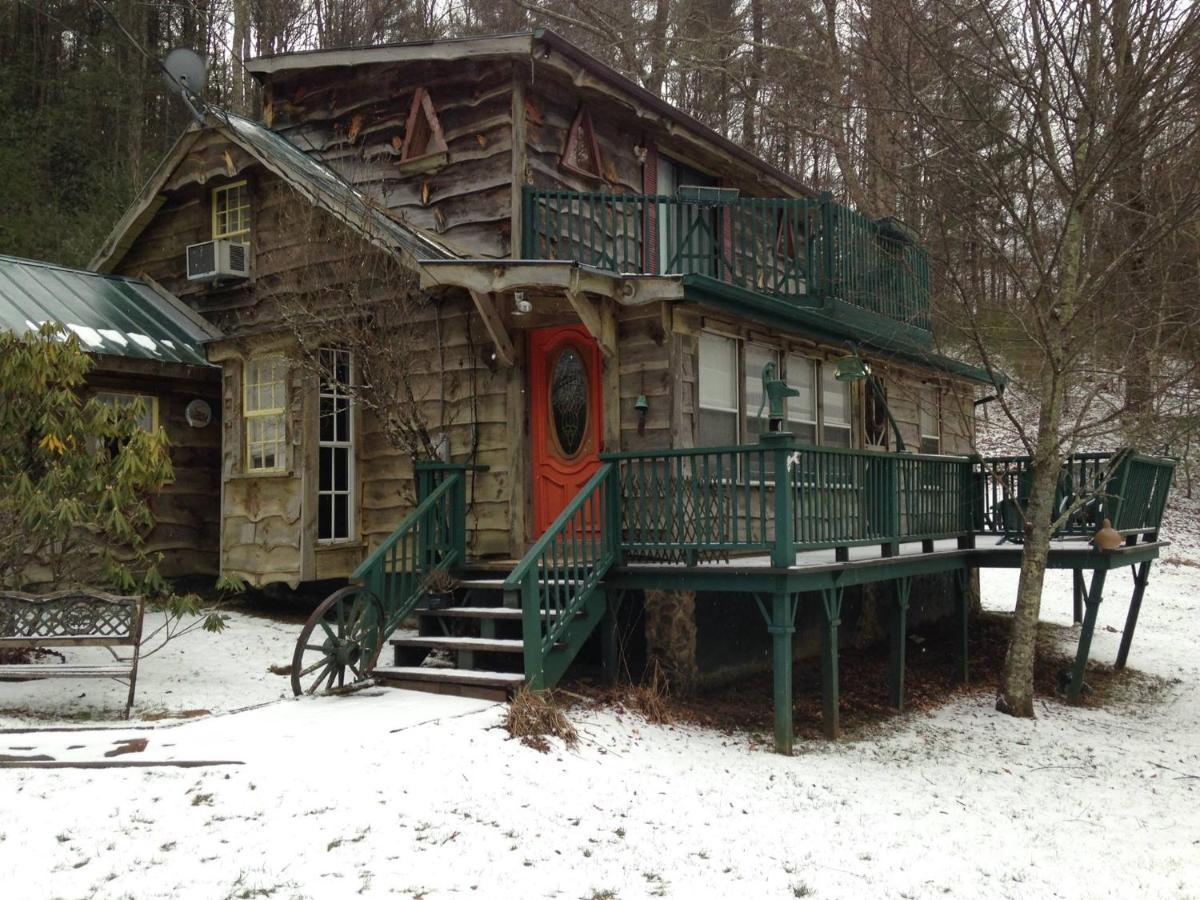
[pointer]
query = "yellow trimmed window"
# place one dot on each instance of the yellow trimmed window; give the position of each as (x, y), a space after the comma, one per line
(264, 410)
(231, 212)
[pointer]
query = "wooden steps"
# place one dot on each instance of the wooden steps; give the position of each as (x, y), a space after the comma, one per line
(481, 685)
(474, 612)
(476, 644)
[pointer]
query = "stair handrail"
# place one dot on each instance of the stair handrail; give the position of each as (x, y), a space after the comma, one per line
(552, 590)
(435, 523)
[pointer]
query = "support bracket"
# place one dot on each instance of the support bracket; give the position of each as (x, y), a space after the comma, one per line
(485, 304)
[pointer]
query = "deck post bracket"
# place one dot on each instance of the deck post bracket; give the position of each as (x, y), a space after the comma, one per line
(831, 604)
(1092, 608)
(1141, 577)
(485, 305)
(962, 582)
(897, 642)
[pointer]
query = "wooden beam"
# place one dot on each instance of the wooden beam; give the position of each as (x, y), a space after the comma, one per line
(519, 140)
(485, 303)
(503, 276)
(600, 321)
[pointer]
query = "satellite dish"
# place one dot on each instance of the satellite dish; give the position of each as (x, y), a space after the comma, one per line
(184, 71)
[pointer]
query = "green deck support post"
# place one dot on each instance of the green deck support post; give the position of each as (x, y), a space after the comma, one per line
(831, 601)
(783, 550)
(1092, 603)
(889, 498)
(1141, 577)
(1077, 593)
(897, 641)
(782, 627)
(962, 581)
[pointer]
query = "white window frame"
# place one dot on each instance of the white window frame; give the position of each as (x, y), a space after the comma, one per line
(824, 371)
(813, 367)
(257, 415)
(333, 390)
(736, 379)
(929, 401)
(221, 220)
(118, 399)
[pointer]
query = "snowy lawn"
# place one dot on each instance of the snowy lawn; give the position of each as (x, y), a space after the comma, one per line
(195, 673)
(388, 793)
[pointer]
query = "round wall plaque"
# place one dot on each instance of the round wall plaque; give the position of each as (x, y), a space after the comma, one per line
(198, 413)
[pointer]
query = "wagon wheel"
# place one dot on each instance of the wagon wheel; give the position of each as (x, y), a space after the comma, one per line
(338, 642)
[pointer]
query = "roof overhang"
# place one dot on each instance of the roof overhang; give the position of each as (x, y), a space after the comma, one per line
(317, 183)
(833, 321)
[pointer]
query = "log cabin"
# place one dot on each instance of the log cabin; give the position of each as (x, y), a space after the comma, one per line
(635, 361)
(144, 345)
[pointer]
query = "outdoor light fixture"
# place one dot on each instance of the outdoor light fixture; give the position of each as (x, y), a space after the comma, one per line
(855, 368)
(521, 304)
(642, 405)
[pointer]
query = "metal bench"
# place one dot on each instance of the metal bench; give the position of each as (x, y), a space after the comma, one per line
(72, 619)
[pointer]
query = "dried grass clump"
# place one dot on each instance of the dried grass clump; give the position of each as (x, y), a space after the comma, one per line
(534, 716)
(651, 698)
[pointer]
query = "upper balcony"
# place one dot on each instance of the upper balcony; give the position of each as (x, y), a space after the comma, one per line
(801, 259)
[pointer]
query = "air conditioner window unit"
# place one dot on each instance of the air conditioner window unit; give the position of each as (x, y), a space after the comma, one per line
(218, 261)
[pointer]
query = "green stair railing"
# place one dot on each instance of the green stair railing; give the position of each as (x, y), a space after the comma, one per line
(558, 583)
(431, 537)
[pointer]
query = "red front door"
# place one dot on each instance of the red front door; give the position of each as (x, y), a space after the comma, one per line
(565, 409)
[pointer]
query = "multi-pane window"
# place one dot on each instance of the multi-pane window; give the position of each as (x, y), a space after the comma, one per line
(264, 411)
(802, 409)
(931, 420)
(821, 412)
(335, 477)
(719, 408)
(147, 413)
(757, 357)
(231, 211)
(836, 425)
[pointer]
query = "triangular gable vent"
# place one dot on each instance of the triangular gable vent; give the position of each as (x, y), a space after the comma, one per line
(422, 132)
(583, 153)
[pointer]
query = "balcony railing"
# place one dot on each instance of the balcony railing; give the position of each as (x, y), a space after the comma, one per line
(793, 249)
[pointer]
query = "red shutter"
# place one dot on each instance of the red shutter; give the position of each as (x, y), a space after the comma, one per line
(650, 226)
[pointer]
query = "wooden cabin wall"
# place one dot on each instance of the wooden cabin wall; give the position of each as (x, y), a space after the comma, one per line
(904, 387)
(186, 509)
(624, 130)
(353, 119)
(478, 405)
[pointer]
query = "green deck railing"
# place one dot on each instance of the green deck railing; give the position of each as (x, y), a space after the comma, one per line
(717, 502)
(558, 583)
(1127, 487)
(789, 248)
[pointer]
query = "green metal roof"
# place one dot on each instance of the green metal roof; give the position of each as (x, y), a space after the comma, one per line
(109, 314)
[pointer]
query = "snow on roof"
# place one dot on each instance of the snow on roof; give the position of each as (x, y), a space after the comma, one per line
(110, 315)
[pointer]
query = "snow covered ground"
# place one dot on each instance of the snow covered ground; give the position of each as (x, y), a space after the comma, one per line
(196, 673)
(388, 793)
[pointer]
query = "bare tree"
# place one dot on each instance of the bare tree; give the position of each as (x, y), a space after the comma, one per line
(1092, 93)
